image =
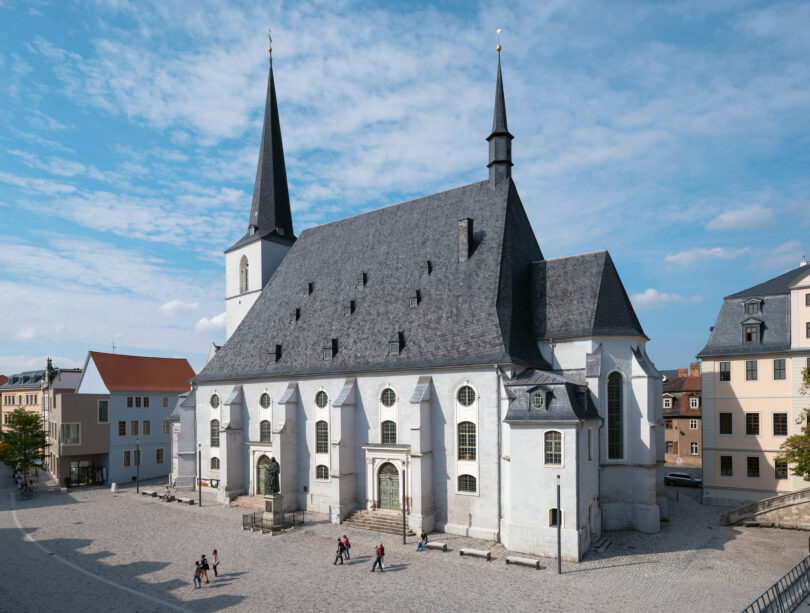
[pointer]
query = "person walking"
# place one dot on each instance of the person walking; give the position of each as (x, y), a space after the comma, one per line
(377, 559)
(339, 553)
(205, 567)
(197, 575)
(382, 556)
(346, 546)
(422, 542)
(215, 562)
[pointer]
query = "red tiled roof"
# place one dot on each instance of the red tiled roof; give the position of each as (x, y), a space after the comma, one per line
(134, 373)
(682, 384)
(3, 379)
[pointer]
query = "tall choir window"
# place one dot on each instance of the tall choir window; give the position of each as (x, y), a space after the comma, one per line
(615, 427)
(264, 431)
(214, 433)
(321, 437)
(243, 275)
(553, 442)
(466, 441)
(389, 432)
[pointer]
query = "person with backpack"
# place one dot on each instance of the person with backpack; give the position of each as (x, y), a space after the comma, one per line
(341, 549)
(205, 567)
(346, 545)
(377, 559)
(382, 556)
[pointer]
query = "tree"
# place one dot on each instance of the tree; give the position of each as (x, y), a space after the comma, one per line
(24, 439)
(796, 448)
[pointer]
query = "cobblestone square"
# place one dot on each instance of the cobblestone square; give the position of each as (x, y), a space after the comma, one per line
(91, 550)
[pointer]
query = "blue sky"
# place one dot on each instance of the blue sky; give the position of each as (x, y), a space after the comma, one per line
(673, 134)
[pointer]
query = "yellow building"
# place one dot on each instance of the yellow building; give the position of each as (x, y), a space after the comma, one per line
(751, 376)
(21, 391)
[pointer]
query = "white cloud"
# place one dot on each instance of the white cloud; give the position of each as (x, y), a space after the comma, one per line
(11, 364)
(653, 299)
(754, 216)
(701, 254)
(208, 324)
(174, 307)
(43, 186)
(26, 333)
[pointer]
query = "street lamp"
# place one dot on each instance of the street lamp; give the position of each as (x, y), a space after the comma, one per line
(199, 472)
(559, 528)
(137, 465)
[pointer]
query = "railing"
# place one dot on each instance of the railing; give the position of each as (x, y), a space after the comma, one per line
(786, 594)
(769, 504)
(255, 520)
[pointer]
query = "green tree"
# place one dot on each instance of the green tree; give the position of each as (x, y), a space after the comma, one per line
(796, 448)
(24, 440)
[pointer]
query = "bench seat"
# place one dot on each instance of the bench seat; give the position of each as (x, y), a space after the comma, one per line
(478, 553)
(523, 561)
(436, 545)
(185, 500)
(152, 493)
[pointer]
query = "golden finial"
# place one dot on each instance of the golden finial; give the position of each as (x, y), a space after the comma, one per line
(270, 42)
(498, 48)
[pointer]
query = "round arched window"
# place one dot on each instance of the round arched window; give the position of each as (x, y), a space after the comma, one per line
(466, 396)
(321, 399)
(214, 401)
(264, 400)
(389, 397)
(538, 400)
(214, 463)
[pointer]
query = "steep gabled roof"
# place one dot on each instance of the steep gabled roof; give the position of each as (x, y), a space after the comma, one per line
(135, 373)
(582, 296)
(468, 313)
(772, 287)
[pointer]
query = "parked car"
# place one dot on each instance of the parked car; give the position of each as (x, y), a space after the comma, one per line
(684, 479)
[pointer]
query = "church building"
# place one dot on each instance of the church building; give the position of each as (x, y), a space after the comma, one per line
(427, 354)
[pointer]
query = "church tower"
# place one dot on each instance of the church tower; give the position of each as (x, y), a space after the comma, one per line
(500, 141)
(253, 259)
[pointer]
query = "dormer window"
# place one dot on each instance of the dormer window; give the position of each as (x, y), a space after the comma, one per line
(395, 344)
(274, 353)
(426, 269)
(295, 315)
(349, 308)
(362, 279)
(667, 403)
(280, 231)
(415, 299)
(251, 230)
(538, 400)
(310, 287)
(751, 333)
(752, 307)
(330, 350)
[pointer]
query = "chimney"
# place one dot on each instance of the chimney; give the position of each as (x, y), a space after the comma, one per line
(694, 369)
(682, 372)
(804, 261)
(465, 239)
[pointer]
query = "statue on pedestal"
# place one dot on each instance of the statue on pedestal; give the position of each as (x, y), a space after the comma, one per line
(272, 477)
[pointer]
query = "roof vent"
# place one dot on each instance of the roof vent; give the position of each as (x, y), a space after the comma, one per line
(274, 352)
(310, 287)
(415, 298)
(295, 315)
(349, 308)
(330, 350)
(396, 343)
(362, 279)
(465, 239)
(804, 261)
(426, 269)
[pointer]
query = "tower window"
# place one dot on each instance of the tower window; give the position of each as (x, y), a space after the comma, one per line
(243, 275)
(264, 400)
(295, 315)
(615, 428)
(466, 396)
(389, 432)
(349, 308)
(265, 434)
(388, 397)
(362, 279)
(415, 299)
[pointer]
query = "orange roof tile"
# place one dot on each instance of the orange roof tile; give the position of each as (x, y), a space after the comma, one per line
(135, 373)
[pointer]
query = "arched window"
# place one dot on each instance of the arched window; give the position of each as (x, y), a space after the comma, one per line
(466, 396)
(264, 400)
(615, 445)
(388, 397)
(466, 440)
(214, 463)
(214, 433)
(264, 431)
(214, 401)
(321, 437)
(553, 447)
(321, 399)
(243, 275)
(389, 432)
(321, 472)
(466, 483)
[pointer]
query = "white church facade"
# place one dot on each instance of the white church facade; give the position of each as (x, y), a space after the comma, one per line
(426, 353)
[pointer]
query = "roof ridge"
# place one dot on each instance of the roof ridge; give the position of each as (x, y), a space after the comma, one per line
(577, 255)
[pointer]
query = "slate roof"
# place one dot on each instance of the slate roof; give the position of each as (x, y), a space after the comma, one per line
(581, 296)
(476, 312)
(30, 379)
(135, 373)
(566, 400)
(726, 337)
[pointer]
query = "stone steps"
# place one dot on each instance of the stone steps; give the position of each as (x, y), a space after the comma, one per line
(375, 521)
(601, 544)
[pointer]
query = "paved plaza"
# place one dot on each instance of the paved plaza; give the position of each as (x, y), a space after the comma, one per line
(91, 550)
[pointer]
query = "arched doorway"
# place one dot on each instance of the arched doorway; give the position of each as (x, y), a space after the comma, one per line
(388, 480)
(261, 474)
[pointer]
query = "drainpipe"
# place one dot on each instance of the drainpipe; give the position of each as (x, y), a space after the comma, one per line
(500, 451)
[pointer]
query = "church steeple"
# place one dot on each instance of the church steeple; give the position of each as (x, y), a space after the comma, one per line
(271, 200)
(500, 141)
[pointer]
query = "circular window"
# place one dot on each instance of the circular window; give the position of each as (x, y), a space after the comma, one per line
(321, 399)
(264, 400)
(389, 397)
(466, 396)
(214, 401)
(538, 401)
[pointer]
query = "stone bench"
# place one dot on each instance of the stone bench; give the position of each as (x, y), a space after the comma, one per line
(523, 561)
(436, 545)
(477, 553)
(151, 493)
(185, 500)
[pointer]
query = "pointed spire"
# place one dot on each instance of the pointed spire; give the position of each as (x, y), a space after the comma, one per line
(271, 200)
(500, 141)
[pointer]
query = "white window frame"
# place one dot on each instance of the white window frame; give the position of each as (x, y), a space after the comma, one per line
(269, 398)
(694, 449)
(667, 402)
(561, 464)
(78, 433)
(694, 402)
(98, 408)
(693, 424)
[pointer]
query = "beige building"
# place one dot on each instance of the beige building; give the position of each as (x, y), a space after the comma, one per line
(21, 391)
(683, 434)
(751, 376)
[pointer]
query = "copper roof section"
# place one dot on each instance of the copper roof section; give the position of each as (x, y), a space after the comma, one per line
(134, 373)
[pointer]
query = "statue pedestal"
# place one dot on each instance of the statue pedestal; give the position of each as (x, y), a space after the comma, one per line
(273, 516)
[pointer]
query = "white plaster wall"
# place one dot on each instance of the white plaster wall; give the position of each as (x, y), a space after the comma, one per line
(91, 381)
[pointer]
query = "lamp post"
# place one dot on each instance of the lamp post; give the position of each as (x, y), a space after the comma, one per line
(404, 489)
(199, 472)
(137, 465)
(559, 529)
